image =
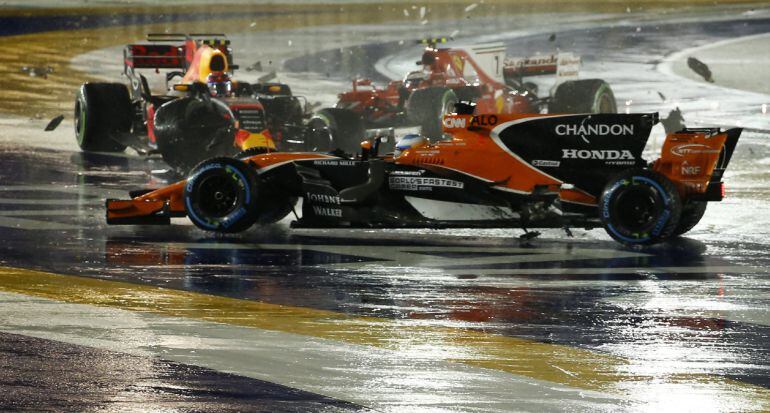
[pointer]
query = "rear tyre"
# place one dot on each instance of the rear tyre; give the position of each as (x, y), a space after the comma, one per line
(335, 128)
(102, 109)
(221, 195)
(692, 212)
(640, 207)
(427, 107)
(583, 96)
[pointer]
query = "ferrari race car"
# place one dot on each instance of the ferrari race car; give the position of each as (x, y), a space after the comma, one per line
(524, 171)
(206, 113)
(481, 74)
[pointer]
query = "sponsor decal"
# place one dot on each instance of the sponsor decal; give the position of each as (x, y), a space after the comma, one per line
(601, 129)
(412, 183)
(459, 62)
(327, 212)
(691, 170)
(546, 163)
(692, 149)
(454, 123)
(410, 173)
(533, 61)
(598, 154)
(334, 163)
(484, 120)
(322, 198)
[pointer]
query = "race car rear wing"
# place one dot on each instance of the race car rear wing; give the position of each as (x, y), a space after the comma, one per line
(154, 56)
(564, 65)
(158, 54)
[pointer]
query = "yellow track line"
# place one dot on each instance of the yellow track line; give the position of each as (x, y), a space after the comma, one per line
(575, 367)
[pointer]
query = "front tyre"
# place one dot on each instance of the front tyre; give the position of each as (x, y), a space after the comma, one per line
(335, 128)
(640, 207)
(427, 107)
(221, 195)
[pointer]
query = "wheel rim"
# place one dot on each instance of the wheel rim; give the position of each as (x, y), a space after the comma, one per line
(219, 195)
(605, 104)
(447, 108)
(637, 209)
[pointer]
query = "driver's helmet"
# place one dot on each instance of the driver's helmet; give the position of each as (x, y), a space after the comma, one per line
(408, 141)
(219, 84)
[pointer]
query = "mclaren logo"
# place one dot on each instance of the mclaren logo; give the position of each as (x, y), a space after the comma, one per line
(603, 154)
(593, 130)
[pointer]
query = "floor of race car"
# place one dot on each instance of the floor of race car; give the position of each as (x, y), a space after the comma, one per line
(170, 318)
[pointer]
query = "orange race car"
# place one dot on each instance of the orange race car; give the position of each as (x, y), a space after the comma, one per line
(556, 171)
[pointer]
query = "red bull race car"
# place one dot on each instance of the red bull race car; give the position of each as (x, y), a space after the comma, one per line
(524, 171)
(481, 74)
(203, 112)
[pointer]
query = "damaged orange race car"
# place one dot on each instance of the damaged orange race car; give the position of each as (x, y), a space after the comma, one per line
(526, 171)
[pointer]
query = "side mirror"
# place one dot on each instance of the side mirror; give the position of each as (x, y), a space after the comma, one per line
(377, 136)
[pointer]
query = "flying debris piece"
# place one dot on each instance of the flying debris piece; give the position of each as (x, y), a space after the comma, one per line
(256, 67)
(422, 12)
(471, 7)
(700, 68)
(552, 37)
(674, 122)
(54, 123)
(406, 12)
(662, 96)
(454, 34)
(42, 71)
(268, 77)
(528, 235)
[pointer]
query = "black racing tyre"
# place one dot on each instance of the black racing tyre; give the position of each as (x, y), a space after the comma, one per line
(692, 212)
(102, 109)
(189, 131)
(221, 195)
(583, 96)
(640, 207)
(335, 128)
(276, 210)
(427, 107)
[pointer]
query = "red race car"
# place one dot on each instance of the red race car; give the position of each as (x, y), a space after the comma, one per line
(480, 74)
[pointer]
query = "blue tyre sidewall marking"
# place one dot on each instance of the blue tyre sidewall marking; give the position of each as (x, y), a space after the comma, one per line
(228, 220)
(658, 225)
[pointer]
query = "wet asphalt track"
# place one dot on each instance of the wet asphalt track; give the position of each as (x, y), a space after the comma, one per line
(681, 326)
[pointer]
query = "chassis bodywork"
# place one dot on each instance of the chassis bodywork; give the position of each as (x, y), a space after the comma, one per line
(481, 74)
(496, 171)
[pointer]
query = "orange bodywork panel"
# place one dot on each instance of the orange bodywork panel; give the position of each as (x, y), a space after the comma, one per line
(169, 201)
(474, 151)
(689, 159)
